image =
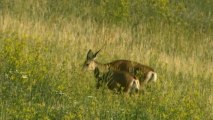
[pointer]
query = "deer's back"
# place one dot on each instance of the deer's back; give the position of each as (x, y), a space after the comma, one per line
(129, 66)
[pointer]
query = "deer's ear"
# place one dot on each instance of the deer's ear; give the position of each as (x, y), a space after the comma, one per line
(90, 54)
(96, 53)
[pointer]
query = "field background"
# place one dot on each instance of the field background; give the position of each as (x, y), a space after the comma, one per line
(43, 44)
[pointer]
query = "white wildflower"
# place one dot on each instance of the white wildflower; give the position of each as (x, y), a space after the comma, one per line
(24, 76)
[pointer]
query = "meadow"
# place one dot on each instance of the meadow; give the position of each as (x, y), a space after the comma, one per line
(43, 46)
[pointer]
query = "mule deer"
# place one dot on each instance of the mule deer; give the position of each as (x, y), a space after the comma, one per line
(113, 79)
(117, 81)
(144, 73)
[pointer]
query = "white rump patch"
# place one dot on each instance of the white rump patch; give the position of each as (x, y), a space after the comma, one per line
(135, 86)
(151, 76)
(154, 78)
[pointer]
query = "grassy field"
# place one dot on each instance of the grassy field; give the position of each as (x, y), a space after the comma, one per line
(41, 62)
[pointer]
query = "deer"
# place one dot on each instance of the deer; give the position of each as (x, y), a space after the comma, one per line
(143, 73)
(118, 81)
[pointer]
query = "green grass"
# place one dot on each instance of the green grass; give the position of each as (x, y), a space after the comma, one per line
(41, 73)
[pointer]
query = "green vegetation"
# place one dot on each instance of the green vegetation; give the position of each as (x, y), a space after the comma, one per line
(43, 44)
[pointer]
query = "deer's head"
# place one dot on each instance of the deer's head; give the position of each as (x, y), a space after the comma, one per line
(90, 63)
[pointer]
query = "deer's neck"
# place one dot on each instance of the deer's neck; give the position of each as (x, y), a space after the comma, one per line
(102, 67)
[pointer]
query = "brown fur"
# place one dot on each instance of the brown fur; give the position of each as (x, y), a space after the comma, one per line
(115, 80)
(142, 72)
(134, 68)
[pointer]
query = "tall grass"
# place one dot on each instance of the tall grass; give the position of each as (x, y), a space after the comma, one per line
(41, 61)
